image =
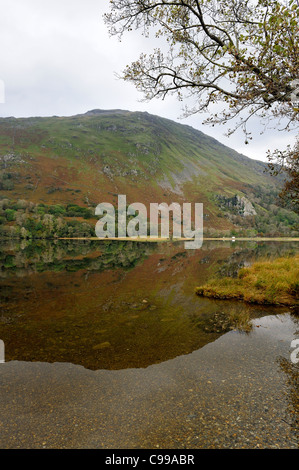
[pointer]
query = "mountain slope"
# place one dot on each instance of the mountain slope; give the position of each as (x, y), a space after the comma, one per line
(90, 158)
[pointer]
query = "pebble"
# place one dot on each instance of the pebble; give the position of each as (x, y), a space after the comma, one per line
(103, 345)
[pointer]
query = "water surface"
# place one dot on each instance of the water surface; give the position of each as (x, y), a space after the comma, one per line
(108, 346)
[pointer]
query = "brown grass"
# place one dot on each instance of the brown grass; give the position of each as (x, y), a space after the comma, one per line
(273, 282)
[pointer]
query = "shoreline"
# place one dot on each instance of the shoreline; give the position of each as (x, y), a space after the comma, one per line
(149, 239)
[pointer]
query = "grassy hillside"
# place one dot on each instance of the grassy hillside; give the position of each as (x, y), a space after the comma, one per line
(87, 159)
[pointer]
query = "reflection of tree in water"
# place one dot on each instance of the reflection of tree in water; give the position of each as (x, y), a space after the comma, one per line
(253, 252)
(24, 258)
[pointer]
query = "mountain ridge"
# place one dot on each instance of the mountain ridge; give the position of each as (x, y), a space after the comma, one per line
(89, 158)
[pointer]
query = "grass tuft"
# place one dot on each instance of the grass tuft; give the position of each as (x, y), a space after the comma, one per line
(265, 282)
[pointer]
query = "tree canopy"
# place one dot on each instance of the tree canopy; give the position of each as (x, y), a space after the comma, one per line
(242, 53)
(288, 162)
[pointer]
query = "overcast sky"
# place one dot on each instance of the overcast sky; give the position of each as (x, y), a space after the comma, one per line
(56, 58)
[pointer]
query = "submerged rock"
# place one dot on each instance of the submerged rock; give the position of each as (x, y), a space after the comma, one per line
(103, 345)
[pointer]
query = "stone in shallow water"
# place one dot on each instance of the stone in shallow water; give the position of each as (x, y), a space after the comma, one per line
(104, 345)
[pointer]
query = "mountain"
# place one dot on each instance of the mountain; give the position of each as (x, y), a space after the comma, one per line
(65, 166)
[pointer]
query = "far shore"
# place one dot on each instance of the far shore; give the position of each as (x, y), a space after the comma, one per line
(149, 239)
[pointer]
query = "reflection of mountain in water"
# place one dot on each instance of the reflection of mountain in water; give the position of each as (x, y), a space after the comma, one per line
(114, 305)
(25, 258)
(119, 334)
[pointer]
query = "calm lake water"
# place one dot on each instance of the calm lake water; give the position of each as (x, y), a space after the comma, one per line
(107, 346)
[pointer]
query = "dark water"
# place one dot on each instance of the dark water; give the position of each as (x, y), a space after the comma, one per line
(106, 345)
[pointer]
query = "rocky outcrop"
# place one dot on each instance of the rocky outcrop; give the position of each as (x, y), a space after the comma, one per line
(238, 205)
(245, 206)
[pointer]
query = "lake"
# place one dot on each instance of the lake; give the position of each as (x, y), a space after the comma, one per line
(107, 346)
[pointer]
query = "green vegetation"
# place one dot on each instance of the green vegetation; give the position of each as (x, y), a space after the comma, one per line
(270, 220)
(26, 220)
(265, 282)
